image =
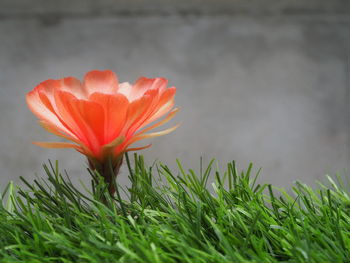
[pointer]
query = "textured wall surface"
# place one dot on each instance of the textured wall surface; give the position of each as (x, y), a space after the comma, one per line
(258, 81)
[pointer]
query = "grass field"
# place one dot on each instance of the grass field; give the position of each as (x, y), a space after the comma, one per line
(175, 216)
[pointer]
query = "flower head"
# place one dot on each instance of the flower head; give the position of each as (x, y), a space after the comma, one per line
(101, 117)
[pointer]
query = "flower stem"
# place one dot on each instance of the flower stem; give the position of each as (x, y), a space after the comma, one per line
(109, 171)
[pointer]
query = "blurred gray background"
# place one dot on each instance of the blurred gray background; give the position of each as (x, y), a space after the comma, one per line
(262, 81)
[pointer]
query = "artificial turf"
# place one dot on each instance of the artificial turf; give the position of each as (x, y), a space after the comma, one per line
(174, 216)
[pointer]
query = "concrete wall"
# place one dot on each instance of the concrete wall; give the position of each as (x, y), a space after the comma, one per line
(260, 81)
(171, 7)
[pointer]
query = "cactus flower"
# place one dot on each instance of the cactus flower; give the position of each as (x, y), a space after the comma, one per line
(101, 117)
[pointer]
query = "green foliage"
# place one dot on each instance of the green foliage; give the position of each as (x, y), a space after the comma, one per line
(171, 217)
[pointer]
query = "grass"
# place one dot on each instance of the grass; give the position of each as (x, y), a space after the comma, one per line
(177, 219)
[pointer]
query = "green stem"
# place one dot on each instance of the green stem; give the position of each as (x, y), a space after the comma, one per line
(109, 171)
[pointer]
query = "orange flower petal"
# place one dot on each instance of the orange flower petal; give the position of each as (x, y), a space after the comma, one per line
(69, 84)
(147, 113)
(115, 110)
(57, 145)
(125, 88)
(54, 130)
(135, 111)
(93, 117)
(140, 87)
(138, 148)
(165, 104)
(41, 110)
(63, 101)
(101, 81)
(70, 110)
(74, 86)
(165, 120)
(153, 134)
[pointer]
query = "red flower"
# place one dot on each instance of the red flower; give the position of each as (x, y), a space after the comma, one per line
(101, 116)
